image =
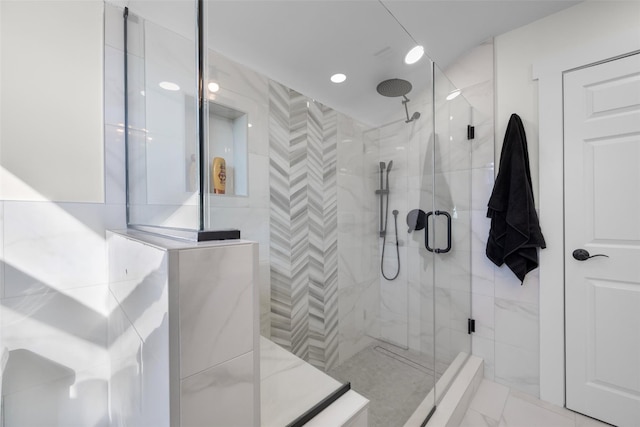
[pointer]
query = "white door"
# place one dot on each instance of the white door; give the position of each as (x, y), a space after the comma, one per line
(602, 216)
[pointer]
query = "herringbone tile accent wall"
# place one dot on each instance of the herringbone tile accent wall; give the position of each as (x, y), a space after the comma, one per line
(303, 215)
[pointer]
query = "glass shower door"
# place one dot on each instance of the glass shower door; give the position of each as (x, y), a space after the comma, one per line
(161, 114)
(450, 227)
(439, 239)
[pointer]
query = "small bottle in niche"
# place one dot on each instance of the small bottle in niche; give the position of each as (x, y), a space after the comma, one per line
(219, 173)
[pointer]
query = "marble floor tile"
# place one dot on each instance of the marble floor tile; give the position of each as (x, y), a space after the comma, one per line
(548, 406)
(490, 399)
(285, 379)
(394, 380)
(513, 408)
(474, 418)
(522, 413)
(582, 421)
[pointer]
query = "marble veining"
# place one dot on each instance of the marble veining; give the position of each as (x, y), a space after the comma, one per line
(517, 368)
(498, 405)
(285, 380)
(65, 251)
(217, 394)
(181, 331)
(210, 307)
(517, 324)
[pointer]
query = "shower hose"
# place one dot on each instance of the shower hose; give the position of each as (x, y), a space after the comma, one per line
(384, 241)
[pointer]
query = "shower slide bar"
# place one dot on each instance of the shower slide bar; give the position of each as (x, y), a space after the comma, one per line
(384, 219)
(382, 191)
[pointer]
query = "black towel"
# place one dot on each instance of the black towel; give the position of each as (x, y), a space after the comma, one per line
(515, 231)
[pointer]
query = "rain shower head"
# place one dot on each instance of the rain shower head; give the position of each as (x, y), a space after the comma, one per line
(397, 87)
(394, 87)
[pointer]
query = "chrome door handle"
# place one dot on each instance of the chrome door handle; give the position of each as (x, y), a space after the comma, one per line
(583, 255)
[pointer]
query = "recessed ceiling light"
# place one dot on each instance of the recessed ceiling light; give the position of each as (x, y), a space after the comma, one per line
(414, 55)
(453, 94)
(213, 87)
(169, 86)
(338, 78)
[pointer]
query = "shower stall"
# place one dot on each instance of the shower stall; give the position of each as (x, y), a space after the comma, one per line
(305, 182)
(412, 328)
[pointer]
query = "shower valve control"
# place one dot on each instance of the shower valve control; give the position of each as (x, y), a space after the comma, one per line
(416, 220)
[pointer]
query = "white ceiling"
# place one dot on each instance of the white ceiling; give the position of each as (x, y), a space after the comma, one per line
(301, 43)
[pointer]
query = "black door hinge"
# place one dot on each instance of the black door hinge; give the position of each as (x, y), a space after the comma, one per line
(471, 132)
(471, 325)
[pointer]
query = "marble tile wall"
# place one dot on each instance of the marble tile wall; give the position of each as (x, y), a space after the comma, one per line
(219, 347)
(247, 91)
(182, 332)
(358, 262)
(134, 334)
(406, 311)
(506, 313)
(54, 297)
(419, 263)
(285, 389)
(138, 333)
(430, 306)
(304, 267)
(53, 281)
(240, 89)
(394, 141)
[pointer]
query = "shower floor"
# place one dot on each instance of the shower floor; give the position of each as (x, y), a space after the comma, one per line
(394, 380)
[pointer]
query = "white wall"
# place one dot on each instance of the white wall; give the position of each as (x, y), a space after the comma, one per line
(586, 27)
(557, 35)
(54, 297)
(51, 104)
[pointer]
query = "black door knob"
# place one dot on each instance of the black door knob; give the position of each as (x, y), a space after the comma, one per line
(583, 255)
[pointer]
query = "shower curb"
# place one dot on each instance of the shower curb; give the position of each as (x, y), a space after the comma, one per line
(457, 397)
